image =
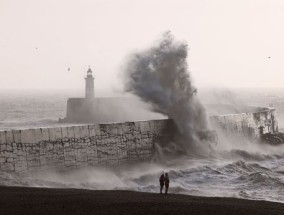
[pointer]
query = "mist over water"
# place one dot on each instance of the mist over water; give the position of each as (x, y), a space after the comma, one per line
(245, 175)
(240, 168)
(235, 167)
(159, 76)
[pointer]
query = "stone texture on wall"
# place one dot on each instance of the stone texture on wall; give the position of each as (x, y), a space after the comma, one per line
(108, 144)
(79, 146)
(248, 124)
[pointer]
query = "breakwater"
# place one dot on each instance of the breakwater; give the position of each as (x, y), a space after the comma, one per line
(247, 121)
(80, 146)
(112, 144)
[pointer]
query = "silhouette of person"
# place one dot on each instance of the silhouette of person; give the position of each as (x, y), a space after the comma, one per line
(261, 128)
(167, 183)
(162, 182)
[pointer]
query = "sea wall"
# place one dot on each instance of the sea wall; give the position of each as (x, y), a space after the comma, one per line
(251, 124)
(110, 144)
(80, 146)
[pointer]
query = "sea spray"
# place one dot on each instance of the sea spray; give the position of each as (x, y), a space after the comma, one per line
(160, 76)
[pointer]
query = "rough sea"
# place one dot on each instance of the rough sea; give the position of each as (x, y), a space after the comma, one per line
(239, 169)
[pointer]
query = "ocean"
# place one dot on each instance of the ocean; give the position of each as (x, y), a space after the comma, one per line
(22, 109)
(243, 170)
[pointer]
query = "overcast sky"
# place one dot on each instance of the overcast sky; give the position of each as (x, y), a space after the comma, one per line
(233, 43)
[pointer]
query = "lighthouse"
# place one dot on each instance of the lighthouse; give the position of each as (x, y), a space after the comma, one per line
(91, 109)
(90, 91)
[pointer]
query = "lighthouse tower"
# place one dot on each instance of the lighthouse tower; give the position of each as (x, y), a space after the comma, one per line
(90, 91)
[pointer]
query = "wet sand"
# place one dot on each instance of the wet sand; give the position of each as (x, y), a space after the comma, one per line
(41, 201)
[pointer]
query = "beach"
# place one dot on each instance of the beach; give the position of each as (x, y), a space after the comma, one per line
(23, 200)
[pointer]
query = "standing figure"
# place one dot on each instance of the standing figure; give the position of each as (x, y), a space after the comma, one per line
(167, 183)
(162, 182)
(261, 128)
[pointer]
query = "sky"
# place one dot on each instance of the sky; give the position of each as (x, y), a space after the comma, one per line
(232, 43)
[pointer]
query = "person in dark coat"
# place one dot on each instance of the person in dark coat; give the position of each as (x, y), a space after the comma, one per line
(162, 182)
(167, 183)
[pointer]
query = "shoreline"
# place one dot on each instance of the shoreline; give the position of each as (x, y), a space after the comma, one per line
(27, 200)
